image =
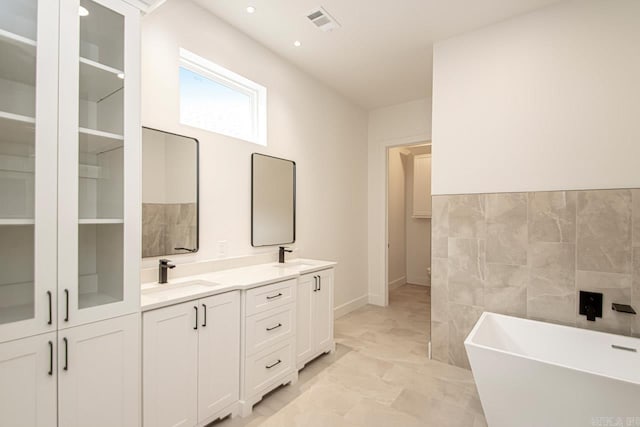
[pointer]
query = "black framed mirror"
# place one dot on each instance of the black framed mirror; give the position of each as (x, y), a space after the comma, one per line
(170, 193)
(273, 200)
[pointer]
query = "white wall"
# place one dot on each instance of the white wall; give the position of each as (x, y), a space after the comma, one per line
(397, 264)
(418, 231)
(401, 124)
(307, 122)
(546, 101)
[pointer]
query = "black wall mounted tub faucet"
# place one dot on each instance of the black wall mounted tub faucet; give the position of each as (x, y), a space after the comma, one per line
(163, 267)
(281, 254)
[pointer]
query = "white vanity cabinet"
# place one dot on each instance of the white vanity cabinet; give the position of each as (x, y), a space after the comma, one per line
(269, 334)
(314, 316)
(191, 361)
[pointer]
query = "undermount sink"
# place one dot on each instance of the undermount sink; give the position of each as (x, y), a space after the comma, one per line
(195, 286)
(297, 265)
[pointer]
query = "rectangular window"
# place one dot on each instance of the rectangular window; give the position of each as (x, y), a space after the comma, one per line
(218, 100)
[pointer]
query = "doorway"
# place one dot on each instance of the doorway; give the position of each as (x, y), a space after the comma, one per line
(409, 230)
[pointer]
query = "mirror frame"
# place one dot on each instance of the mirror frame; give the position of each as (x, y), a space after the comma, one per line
(197, 248)
(295, 175)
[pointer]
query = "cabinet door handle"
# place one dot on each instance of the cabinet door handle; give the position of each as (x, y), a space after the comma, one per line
(315, 283)
(278, 295)
(195, 307)
(319, 283)
(274, 364)
(50, 358)
(50, 322)
(274, 327)
(204, 309)
(66, 354)
(66, 296)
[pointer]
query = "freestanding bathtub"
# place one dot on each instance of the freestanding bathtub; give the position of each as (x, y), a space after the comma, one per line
(536, 374)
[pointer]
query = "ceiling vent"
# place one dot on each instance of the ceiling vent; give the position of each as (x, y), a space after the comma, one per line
(321, 19)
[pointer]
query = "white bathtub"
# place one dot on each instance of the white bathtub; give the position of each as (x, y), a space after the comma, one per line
(536, 374)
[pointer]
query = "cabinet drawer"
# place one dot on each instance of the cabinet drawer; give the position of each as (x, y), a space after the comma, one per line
(268, 366)
(265, 329)
(270, 296)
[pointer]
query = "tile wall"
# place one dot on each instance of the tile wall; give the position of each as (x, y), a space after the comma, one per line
(528, 255)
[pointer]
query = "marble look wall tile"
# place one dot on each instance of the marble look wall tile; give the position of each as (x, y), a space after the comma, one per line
(440, 341)
(551, 292)
(507, 228)
(462, 319)
(439, 226)
(439, 290)
(635, 196)
(467, 216)
(615, 288)
(635, 293)
(552, 216)
(604, 231)
(506, 300)
(502, 275)
(466, 271)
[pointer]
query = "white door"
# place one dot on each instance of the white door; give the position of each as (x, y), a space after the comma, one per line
(323, 311)
(99, 374)
(218, 354)
(99, 161)
(307, 289)
(28, 166)
(170, 366)
(28, 395)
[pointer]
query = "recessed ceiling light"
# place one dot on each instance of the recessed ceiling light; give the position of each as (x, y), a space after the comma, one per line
(251, 9)
(82, 11)
(297, 43)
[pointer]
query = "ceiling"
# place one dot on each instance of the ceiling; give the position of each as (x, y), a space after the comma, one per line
(382, 54)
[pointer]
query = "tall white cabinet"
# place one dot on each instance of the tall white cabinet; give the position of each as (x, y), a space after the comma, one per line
(69, 213)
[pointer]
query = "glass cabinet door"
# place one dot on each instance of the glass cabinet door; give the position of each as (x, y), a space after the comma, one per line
(28, 125)
(94, 154)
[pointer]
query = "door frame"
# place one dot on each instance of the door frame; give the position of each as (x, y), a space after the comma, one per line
(380, 229)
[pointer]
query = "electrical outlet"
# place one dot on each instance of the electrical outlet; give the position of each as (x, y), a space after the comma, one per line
(222, 248)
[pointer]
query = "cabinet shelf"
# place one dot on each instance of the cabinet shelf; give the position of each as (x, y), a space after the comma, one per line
(15, 128)
(96, 141)
(18, 58)
(97, 221)
(16, 313)
(17, 221)
(98, 81)
(93, 299)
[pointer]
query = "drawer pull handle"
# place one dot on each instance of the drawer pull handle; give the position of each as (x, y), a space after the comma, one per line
(66, 297)
(274, 364)
(196, 309)
(50, 322)
(50, 358)
(278, 295)
(274, 327)
(204, 309)
(315, 283)
(66, 354)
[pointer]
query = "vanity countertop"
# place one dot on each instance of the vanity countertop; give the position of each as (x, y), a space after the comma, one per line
(189, 288)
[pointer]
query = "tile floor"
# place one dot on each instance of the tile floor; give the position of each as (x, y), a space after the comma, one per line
(379, 376)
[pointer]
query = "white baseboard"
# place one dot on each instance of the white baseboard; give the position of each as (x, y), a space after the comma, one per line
(397, 283)
(350, 306)
(376, 300)
(419, 280)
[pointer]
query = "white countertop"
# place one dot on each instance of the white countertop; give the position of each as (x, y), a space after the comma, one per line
(155, 295)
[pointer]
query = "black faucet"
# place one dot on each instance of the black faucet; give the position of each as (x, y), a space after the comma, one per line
(165, 265)
(281, 254)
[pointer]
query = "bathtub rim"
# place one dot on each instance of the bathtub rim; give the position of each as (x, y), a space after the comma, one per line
(469, 342)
